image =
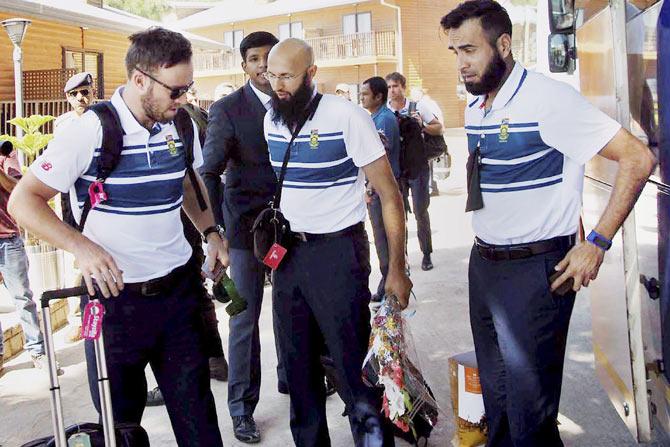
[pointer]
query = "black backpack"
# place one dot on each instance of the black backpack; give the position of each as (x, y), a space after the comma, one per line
(412, 151)
(112, 145)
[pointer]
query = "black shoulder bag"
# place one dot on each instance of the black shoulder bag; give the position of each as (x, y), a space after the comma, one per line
(271, 226)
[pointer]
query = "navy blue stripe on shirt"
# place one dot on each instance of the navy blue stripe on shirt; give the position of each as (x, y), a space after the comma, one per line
(549, 165)
(523, 188)
(136, 195)
(313, 175)
(130, 212)
(136, 165)
(302, 152)
(517, 145)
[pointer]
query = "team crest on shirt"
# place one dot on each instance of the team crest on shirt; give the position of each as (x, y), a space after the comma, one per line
(504, 131)
(314, 139)
(172, 146)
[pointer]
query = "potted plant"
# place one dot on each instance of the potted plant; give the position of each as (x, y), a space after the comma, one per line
(46, 262)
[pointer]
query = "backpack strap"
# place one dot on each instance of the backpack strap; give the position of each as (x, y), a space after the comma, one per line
(110, 149)
(184, 125)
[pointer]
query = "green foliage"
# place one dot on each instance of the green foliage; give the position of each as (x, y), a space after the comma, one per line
(151, 9)
(33, 141)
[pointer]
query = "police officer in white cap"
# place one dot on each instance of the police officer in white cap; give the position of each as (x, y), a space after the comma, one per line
(343, 91)
(79, 93)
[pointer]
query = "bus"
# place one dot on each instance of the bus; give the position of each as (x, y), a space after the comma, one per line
(621, 52)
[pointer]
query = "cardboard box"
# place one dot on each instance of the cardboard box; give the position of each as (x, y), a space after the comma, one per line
(467, 401)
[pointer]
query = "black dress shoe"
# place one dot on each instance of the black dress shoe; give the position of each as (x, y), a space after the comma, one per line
(282, 387)
(426, 264)
(245, 429)
(218, 368)
(155, 398)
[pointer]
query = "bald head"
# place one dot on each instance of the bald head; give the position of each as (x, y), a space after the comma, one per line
(294, 52)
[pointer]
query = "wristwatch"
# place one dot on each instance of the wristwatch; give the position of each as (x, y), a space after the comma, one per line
(599, 240)
(213, 229)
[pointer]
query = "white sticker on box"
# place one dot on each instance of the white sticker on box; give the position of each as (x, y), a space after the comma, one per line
(470, 401)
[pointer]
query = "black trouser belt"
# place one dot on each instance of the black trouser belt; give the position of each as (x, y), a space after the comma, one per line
(520, 251)
(306, 237)
(157, 286)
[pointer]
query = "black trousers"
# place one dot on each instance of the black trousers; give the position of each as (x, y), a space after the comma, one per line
(520, 330)
(164, 331)
(321, 293)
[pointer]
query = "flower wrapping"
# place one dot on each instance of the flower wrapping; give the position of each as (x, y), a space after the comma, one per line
(390, 363)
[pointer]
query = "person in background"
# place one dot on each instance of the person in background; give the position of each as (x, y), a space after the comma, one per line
(343, 91)
(420, 96)
(374, 95)
(14, 263)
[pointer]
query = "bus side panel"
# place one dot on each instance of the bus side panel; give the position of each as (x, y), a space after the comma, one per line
(609, 305)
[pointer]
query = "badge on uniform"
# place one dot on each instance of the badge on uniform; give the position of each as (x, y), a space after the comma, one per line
(172, 146)
(504, 131)
(275, 255)
(314, 139)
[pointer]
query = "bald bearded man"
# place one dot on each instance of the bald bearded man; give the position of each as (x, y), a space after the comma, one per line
(320, 288)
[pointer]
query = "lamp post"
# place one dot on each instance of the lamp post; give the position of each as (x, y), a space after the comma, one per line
(16, 29)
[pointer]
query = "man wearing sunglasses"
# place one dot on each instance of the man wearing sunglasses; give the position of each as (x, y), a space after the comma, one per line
(133, 245)
(79, 94)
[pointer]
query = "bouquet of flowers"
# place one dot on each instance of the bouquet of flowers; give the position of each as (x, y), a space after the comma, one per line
(408, 401)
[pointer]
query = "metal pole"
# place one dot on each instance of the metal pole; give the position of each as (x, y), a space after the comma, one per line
(56, 404)
(18, 93)
(104, 392)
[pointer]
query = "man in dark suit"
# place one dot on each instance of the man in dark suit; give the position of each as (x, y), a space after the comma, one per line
(235, 143)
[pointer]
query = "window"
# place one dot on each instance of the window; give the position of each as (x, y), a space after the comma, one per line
(357, 23)
(86, 60)
(233, 38)
(293, 29)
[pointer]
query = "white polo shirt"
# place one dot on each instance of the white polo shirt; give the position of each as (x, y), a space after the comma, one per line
(139, 224)
(534, 143)
(324, 186)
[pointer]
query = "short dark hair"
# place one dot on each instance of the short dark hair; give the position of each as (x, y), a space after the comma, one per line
(493, 18)
(378, 85)
(157, 47)
(256, 40)
(397, 77)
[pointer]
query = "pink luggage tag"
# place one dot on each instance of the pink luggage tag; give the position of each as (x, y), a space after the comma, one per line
(96, 193)
(91, 325)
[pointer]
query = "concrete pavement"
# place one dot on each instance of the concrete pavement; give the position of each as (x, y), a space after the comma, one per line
(440, 329)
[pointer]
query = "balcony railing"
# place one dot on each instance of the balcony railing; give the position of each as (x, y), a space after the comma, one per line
(326, 49)
(53, 107)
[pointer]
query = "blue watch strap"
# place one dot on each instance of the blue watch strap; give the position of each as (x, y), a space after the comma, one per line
(599, 240)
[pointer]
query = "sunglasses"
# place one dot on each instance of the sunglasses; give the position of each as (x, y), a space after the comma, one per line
(175, 92)
(84, 92)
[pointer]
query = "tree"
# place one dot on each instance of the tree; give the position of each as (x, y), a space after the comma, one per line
(151, 9)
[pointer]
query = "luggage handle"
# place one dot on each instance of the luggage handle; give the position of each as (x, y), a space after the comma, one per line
(51, 295)
(103, 379)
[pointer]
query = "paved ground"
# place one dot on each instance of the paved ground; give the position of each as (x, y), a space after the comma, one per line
(440, 329)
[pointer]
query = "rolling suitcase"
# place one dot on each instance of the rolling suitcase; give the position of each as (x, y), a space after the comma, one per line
(89, 434)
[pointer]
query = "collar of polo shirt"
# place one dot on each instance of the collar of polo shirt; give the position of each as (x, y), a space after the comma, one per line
(509, 88)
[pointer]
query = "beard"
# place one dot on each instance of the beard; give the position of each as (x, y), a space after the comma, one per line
(289, 111)
(491, 78)
(153, 110)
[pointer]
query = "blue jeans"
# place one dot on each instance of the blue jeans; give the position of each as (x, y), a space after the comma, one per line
(14, 269)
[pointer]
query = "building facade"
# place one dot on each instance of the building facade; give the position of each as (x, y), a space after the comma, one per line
(352, 41)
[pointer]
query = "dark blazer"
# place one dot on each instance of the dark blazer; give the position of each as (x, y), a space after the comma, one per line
(235, 143)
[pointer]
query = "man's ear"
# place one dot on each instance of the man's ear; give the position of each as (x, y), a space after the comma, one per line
(139, 81)
(311, 71)
(504, 45)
